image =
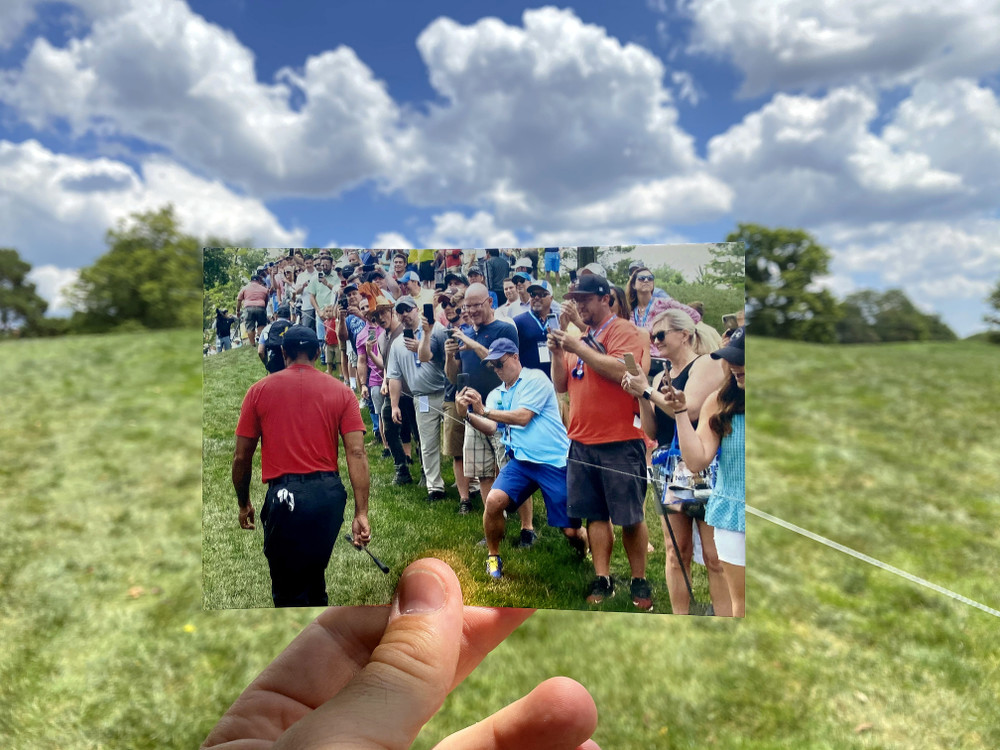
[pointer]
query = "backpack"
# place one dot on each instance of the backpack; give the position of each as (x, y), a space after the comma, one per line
(274, 360)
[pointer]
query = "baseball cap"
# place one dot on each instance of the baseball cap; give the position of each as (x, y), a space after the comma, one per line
(409, 276)
(521, 275)
(733, 352)
(590, 284)
(595, 268)
(283, 311)
(299, 335)
(500, 347)
(456, 277)
(350, 288)
(476, 270)
(635, 264)
(406, 302)
(522, 263)
(543, 285)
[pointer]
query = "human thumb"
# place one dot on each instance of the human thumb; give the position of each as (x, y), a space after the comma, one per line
(409, 674)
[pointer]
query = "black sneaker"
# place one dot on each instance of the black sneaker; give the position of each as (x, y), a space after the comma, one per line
(402, 476)
(642, 597)
(386, 453)
(464, 507)
(601, 588)
(435, 495)
(476, 495)
(528, 539)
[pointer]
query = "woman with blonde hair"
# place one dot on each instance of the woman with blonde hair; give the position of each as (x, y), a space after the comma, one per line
(675, 337)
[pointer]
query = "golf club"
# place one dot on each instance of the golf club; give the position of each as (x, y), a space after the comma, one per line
(381, 565)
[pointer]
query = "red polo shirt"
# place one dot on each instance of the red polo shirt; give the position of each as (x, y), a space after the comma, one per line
(299, 413)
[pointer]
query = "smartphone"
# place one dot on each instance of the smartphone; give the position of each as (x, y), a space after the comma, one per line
(658, 365)
(408, 333)
(463, 380)
(343, 303)
(429, 313)
(630, 363)
(572, 276)
(730, 322)
(451, 333)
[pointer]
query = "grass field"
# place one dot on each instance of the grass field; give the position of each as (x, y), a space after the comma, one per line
(405, 527)
(889, 449)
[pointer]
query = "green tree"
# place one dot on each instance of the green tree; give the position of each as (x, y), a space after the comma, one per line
(21, 309)
(870, 316)
(781, 268)
(993, 318)
(150, 277)
(727, 267)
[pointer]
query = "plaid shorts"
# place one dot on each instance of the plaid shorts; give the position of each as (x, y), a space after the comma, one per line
(483, 455)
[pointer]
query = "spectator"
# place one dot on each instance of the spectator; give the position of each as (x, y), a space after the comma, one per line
(524, 410)
(254, 295)
(521, 279)
(619, 303)
(351, 323)
(271, 356)
(416, 367)
(397, 437)
(497, 269)
(224, 328)
(510, 294)
(302, 282)
(721, 428)
(533, 328)
(322, 291)
(457, 282)
(552, 263)
(645, 307)
(411, 286)
(607, 472)
(676, 339)
(454, 425)
(371, 368)
(476, 277)
(328, 314)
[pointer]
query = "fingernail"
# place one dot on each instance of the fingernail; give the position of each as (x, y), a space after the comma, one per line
(420, 592)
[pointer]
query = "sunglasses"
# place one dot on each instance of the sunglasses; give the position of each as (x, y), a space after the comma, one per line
(496, 365)
(645, 277)
(538, 295)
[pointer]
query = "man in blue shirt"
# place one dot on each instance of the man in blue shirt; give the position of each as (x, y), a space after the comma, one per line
(533, 328)
(525, 413)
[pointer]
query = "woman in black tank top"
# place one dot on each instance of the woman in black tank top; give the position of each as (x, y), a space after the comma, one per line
(676, 338)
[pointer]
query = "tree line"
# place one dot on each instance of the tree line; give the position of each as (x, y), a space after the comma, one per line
(155, 276)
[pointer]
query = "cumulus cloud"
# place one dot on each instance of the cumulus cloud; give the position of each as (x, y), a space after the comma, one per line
(51, 282)
(455, 229)
(811, 161)
(812, 44)
(391, 241)
(156, 71)
(540, 119)
(56, 208)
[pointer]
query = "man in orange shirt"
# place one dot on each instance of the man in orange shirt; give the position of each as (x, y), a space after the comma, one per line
(606, 470)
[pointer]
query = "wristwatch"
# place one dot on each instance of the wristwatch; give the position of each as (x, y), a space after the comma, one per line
(646, 394)
(486, 412)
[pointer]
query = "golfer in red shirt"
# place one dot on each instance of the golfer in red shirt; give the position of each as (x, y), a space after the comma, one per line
(298, 414)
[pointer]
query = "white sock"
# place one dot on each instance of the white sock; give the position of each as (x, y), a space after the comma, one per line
(354, 382)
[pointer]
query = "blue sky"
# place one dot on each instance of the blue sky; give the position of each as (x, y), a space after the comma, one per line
(874, 125)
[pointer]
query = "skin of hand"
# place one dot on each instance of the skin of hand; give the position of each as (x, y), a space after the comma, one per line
(361, 530)
(373, 676)
(384, 390)
(634, 384)
(397, 415)
(410, 344)
(675, 399)
(365, 392)
(566, 342)
(247, 516)
(471, 400)
(570, 314)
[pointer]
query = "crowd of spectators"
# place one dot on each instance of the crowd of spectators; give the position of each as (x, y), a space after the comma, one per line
(471, 358)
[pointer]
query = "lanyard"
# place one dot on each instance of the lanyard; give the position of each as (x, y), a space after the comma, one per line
(578, 370)
(542, 325)
(645, 317)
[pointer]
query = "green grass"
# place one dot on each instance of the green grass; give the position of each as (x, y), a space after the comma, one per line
(404, 525)
(891, 449)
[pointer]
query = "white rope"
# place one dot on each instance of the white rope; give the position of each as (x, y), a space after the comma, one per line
(871, 561)
(817, 538)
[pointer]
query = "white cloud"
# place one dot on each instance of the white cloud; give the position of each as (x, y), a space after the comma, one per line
(156, 71)
(50, 283)
(454, 229)
(56, 208)
(391, 241)
(810, 161)
(541, 119)
(811, 44)
(947, 266)
(687, 90)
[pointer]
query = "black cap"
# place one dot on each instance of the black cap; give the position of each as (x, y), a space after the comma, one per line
(299, 335)
(590, 283)
(284, 311)
(733, 352)
(456, 277)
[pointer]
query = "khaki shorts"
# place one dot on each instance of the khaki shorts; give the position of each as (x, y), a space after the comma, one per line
(454, 431)
(484, 455)
(333, 354)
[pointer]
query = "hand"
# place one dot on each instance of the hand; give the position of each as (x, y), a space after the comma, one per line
(553, 343)
(378, 674)
(473, 401)
(397, 415)
(565, 341)
(634, 384)
(365, 393)
(384, 389)
(570, 314)
(361, 530)
(451, 346)
(247, 516)
(410, 344)
(675, 399)
(428, 327)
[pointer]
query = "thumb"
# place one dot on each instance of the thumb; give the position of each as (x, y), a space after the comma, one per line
(408, 677)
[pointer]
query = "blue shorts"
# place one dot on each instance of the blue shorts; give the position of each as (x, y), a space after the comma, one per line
(551, 262)
(519, 479)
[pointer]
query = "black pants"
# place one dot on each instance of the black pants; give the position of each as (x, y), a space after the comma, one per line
(397, 434)
(301, 519)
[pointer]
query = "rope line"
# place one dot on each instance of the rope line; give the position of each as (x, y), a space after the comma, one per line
(872, 561)
(809, 535)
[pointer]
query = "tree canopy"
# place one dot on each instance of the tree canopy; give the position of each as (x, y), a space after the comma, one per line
(21, 309)
(782, 266)
(993, 318)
